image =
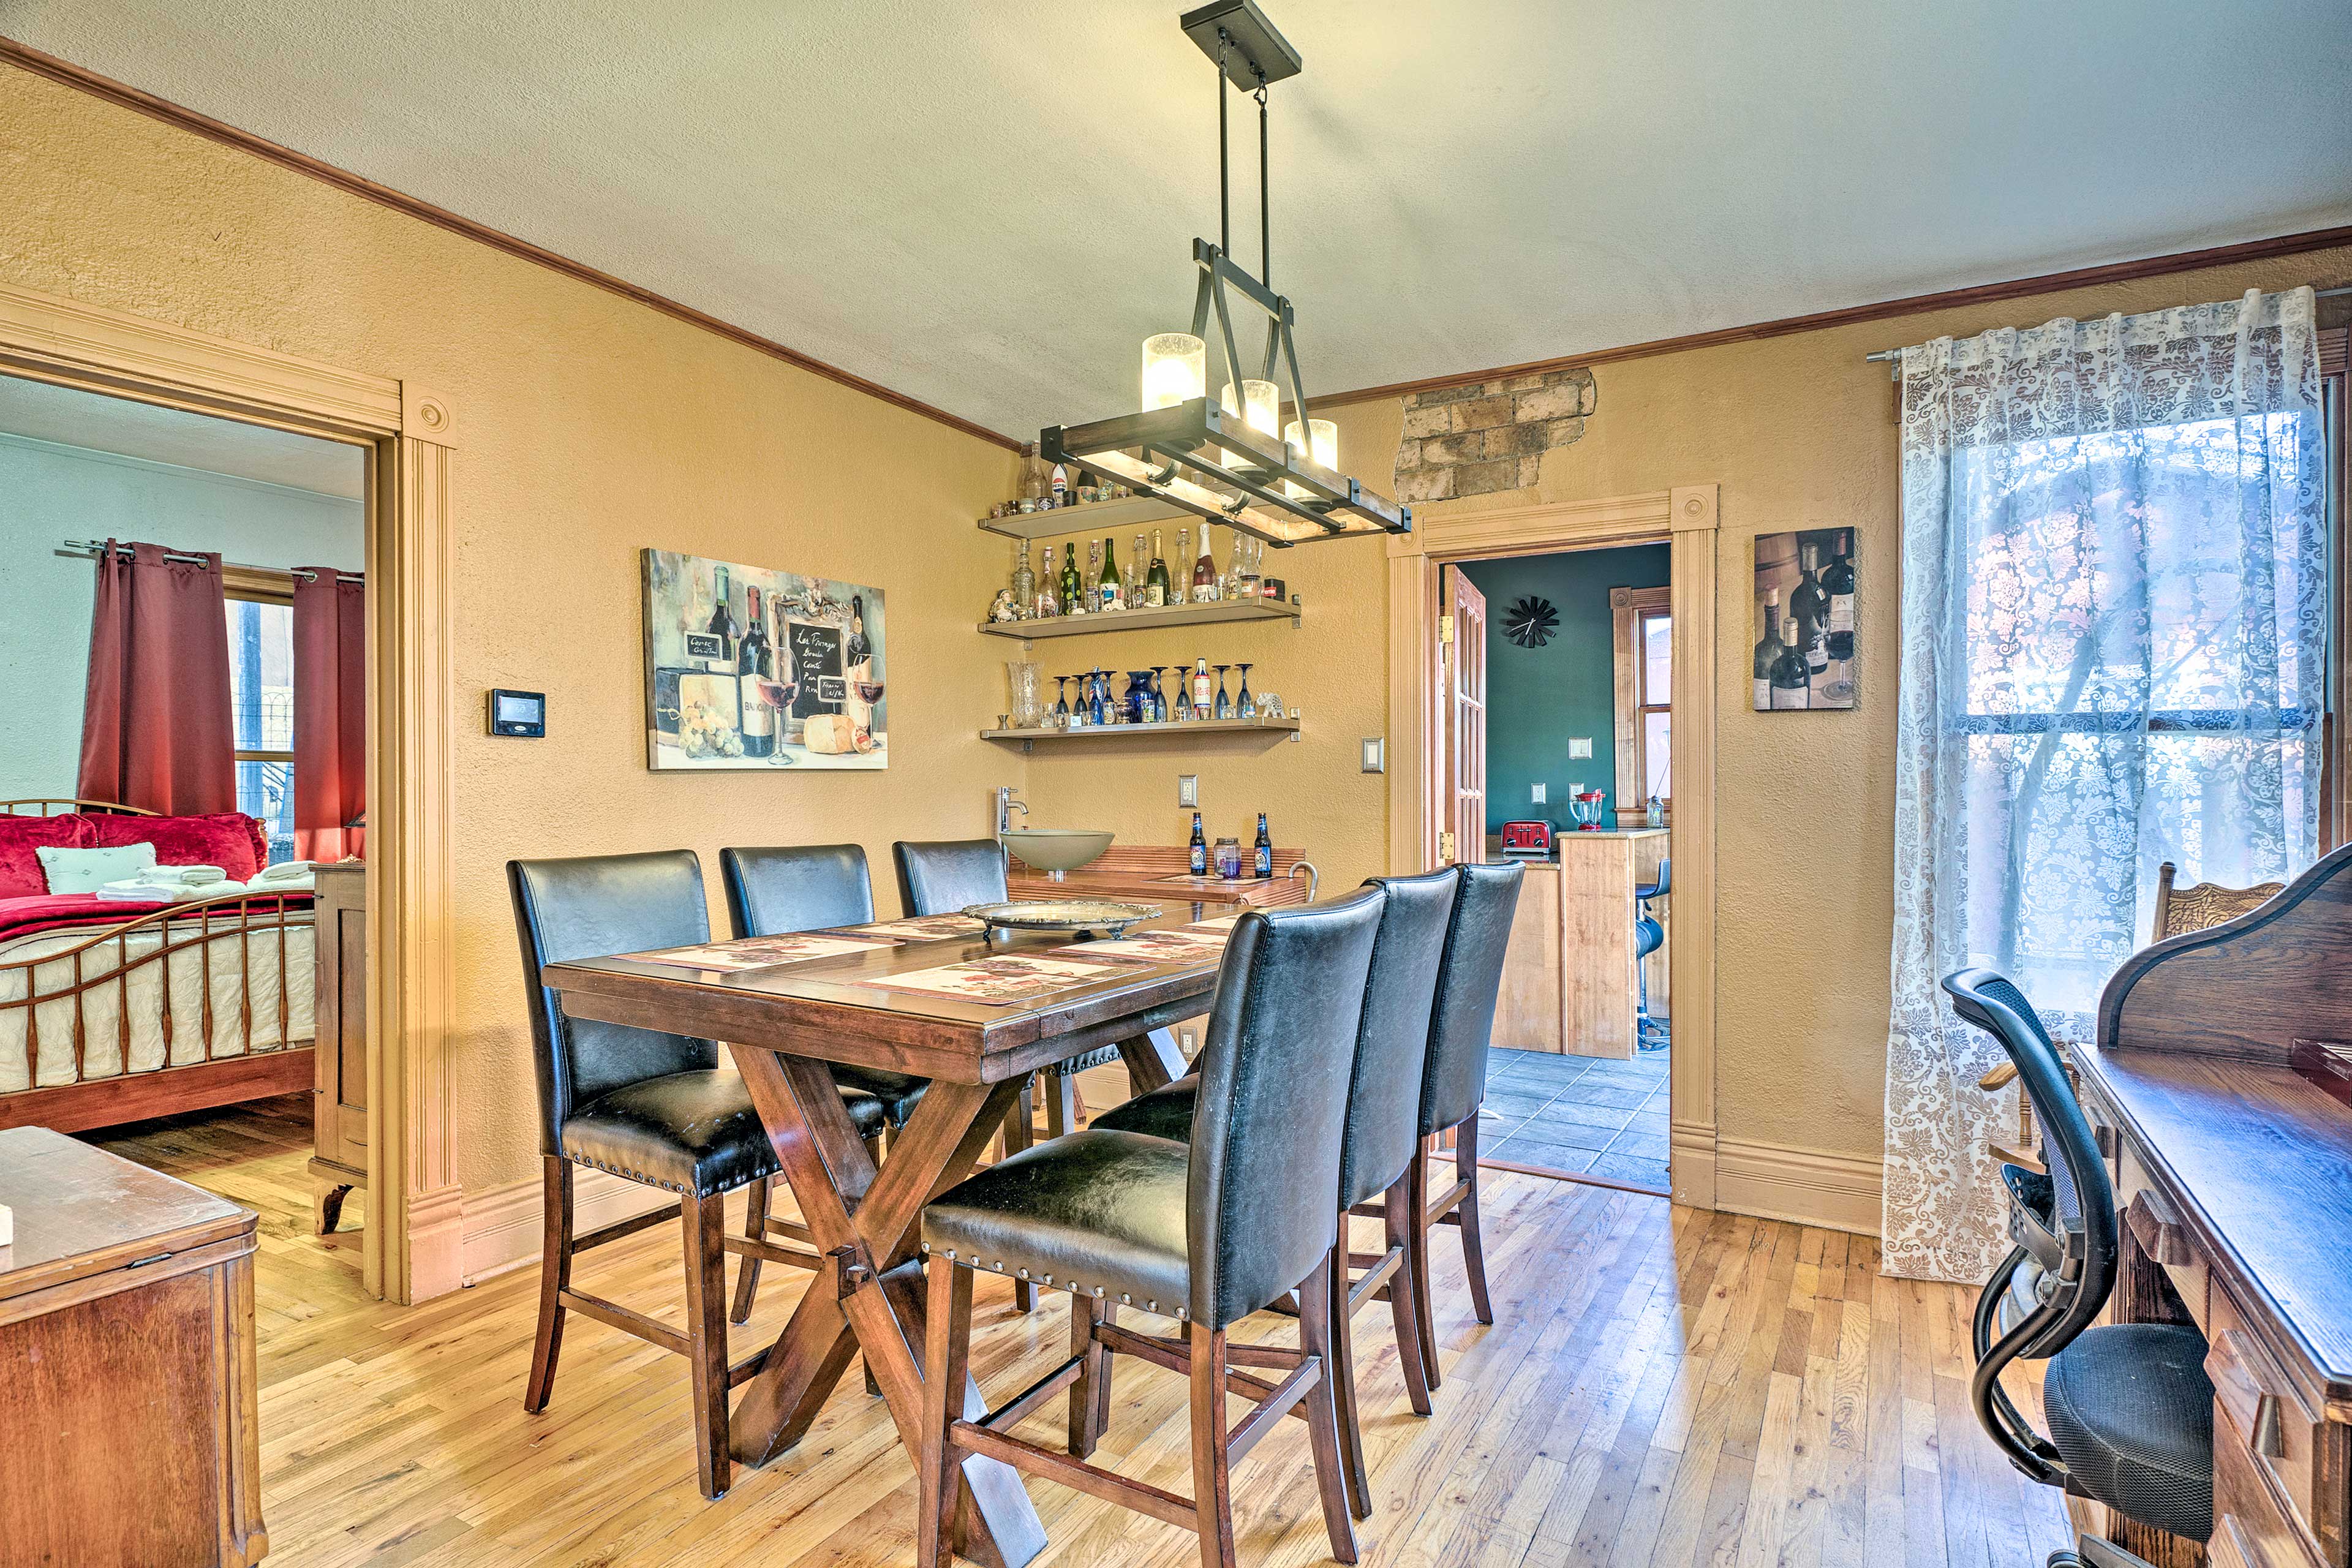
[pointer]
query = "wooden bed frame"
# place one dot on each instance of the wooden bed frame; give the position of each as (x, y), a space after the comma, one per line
(168, 1089)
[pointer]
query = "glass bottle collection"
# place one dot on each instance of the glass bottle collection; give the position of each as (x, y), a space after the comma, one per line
(1805, 658)
(1225, 859)
(1146, 581)
(1089, 699)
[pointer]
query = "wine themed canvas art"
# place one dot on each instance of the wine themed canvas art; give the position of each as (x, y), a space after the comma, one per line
(747, 667)
(1804, 619)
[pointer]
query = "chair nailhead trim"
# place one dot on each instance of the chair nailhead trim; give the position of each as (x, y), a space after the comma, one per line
(1024, 1274)
(1126, 1300)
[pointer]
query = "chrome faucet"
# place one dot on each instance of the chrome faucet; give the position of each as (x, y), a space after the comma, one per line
(1008, 801)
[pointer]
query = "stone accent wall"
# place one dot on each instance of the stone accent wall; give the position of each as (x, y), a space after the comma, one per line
(1474, 440)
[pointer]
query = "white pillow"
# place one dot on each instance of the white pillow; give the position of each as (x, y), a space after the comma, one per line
(88, 870)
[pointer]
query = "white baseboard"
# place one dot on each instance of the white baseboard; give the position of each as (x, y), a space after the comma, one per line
(1809, 1187)
(505, 1226)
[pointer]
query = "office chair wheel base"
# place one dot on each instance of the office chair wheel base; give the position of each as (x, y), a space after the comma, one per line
(2063, 1559)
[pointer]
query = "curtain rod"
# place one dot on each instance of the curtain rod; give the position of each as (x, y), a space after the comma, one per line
(1884, 355)
(93, 547)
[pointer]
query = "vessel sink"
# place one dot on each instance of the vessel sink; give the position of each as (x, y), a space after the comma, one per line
(1055, 851)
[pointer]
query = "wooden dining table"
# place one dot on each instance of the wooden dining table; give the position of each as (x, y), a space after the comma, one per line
(784, 1025)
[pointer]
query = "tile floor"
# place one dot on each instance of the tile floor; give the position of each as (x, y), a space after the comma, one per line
(1578, 1114)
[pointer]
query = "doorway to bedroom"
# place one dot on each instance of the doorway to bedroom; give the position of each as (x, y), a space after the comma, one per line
(183, 811)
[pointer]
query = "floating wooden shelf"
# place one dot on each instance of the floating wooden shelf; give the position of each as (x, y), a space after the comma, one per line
(1101, 517)
(1203, 728)
(1160, 619)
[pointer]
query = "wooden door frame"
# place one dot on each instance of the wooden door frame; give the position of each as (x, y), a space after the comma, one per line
(410, 1246)
(1685, 518)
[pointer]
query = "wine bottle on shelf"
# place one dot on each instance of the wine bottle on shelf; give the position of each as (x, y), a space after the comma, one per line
(1139, 567)
(1033, 477)
(1047, 603)
(1179, 586)
(1200, 848)
(1205, 695)
(756, 720)
(1262, 857)
(1110, 595)
(1204, 573)
(1073, 594)
(1792, 681)
(1024, 585)
(1155, 580)
(1061, 487)
(1768, 650)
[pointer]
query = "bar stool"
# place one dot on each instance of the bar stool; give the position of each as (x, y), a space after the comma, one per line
(796, 888)
(1381, 1139)
(1648, 935)
(1206, 1233)
(646, 1106)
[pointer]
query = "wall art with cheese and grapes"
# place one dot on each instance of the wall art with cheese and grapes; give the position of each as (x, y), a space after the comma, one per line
(747, 667)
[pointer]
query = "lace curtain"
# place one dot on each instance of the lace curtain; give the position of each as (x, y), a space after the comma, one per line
(2113, 646)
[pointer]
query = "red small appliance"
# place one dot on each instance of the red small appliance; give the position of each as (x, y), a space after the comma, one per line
(1529, 841)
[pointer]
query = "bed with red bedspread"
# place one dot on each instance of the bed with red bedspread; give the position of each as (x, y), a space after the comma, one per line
(113, 1011)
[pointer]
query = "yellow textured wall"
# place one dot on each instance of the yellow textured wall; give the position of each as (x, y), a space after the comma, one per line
(1798, 432)
(588, 427)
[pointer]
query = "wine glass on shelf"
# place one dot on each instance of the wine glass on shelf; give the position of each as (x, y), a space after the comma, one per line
(1245, 707)
(1224, 708)
(1158, 694)
(778, 695)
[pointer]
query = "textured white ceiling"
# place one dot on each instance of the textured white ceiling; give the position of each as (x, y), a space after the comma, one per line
(73, 418)
(986, 203)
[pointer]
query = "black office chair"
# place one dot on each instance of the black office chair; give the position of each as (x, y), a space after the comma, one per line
(1382, 1137)
(643, 1105)
(1206, 1233)
(797, 887)
(942, 878)
(2129, 1405)
(1648, 935)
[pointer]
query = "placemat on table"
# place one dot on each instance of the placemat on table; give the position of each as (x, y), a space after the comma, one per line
(999, 981)
(761, 951)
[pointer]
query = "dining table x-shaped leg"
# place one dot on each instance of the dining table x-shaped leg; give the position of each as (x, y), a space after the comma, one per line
(866, 1219)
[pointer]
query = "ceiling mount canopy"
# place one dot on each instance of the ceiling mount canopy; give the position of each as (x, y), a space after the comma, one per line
(1228, 458)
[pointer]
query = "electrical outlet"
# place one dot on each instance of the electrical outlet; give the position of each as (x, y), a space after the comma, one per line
(1538, 796)
(1184, 1042)
(1188, 790)
(1581, 746)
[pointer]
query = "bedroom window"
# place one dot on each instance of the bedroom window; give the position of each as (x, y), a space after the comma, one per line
(261, 699)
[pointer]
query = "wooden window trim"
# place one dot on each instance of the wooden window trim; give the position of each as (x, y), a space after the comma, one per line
(1627, 607)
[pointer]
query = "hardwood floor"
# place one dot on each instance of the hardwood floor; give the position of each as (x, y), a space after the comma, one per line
(1660, 1386)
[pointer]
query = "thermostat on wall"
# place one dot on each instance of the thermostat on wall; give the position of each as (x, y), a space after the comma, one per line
(522, 714)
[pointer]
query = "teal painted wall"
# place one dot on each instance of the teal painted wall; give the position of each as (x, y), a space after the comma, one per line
(1540, 698)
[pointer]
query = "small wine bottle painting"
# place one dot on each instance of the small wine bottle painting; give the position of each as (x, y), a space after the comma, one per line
(1804, 619)
(750, 667)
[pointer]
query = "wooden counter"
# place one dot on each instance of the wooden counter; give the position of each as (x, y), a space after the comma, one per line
(1161, 873)
(1569, 981)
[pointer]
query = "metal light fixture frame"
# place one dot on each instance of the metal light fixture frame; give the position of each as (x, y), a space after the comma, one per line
(1199, 456)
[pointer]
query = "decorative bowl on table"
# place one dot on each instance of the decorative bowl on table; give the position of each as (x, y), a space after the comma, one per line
(1057, 850)
(1062, 914)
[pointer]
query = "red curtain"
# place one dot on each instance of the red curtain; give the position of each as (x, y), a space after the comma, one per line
(155, 728)
(330, 714)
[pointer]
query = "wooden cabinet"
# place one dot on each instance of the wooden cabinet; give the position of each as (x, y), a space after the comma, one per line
(1569, 981)
(127, 1408)
(339, 1094)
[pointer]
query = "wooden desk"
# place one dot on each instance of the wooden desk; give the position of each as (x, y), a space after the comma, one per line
(783, 1025)
(2230, 1151)
(128, 1410)
(1570, 984)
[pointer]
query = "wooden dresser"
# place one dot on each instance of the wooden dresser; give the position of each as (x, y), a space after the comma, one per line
(126, 1385)
(339, 1091)
(2221, 1092)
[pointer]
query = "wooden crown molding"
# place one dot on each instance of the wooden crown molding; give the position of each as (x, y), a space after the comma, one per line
(28, 59)
(1883, 310)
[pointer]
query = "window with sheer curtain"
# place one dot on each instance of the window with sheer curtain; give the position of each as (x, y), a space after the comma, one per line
(2115, 613)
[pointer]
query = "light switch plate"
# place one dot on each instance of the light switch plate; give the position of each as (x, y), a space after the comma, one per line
(1538, 795)
(1188, 789)
(1376, 753)
(1581, 746)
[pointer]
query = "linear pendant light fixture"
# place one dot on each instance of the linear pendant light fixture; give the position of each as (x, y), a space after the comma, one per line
(1219, 458)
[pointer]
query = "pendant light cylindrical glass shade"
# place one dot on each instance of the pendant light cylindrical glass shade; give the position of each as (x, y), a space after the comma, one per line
(1175, 368)
(1319, 442)
(1259, 403)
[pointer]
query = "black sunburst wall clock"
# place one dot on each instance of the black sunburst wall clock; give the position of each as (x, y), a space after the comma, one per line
(1531, 621)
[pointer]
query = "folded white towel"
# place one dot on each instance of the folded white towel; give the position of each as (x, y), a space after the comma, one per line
(175, 875)
(287, 872)
(305, 883)
(137, 892)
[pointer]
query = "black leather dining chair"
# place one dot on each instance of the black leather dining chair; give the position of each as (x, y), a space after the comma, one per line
(644, 1105)
(1383, 1134)
(1206, 1232)
(2129, 1405)
(796, 887)
(941, 877)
